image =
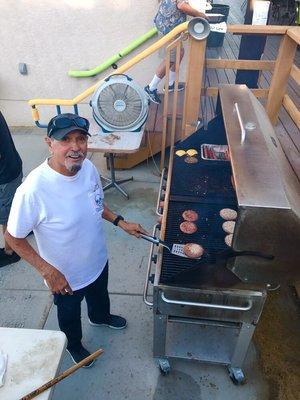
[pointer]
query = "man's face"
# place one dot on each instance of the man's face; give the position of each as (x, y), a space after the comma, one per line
(68, 154)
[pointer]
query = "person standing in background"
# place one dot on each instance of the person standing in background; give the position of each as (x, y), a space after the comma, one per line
(10, 178)
(170, 14)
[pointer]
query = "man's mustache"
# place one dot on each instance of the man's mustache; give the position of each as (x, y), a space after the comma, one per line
(75, 154)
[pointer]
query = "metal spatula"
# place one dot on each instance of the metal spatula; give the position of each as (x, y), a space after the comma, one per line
(174, 248)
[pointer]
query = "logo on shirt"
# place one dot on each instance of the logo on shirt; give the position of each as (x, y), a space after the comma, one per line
(98, 203)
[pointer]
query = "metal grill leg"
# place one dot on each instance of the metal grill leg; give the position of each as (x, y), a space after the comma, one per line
(159, 335)
(113, 182)
(243, 341)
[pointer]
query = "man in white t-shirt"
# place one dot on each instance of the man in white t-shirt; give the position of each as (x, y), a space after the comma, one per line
(61, 201)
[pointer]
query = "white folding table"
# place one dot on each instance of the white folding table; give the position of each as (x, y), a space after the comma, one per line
(34, 358)
(128, 142)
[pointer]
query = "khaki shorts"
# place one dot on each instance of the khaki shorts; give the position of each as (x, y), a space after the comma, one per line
(7, 192)
(163, 50)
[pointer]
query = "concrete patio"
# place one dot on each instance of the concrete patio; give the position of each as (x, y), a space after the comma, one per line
(126, 370)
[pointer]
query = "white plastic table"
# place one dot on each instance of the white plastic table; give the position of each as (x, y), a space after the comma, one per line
(128, 142)
(34, 358)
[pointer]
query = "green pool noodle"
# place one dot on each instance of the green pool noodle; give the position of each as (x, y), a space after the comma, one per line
(112, 60)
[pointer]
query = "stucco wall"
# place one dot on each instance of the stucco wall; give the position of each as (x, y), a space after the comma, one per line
(53, 36)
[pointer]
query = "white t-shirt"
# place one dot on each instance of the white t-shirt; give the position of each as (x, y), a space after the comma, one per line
(65, 214)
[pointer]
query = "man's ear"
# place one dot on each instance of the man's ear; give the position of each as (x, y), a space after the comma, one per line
(49, 143)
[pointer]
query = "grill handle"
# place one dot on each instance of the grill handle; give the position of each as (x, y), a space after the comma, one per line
(159, 191)
(206, 305)
(155, 240)
(145, 293)
(151, 239)
(243, 130)
(238, 253)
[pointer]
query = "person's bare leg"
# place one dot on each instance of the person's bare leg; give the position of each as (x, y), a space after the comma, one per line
(172, 68)
(161, 69)
(7, 248)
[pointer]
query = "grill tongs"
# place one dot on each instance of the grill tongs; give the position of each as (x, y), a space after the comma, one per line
(174, 248)
(177, 249)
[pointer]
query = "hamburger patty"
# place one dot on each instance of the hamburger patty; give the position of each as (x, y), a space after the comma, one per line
(188, 227)
(228, 226)
(228, 214)
(190, 215)
(191, 160)
(193, 250)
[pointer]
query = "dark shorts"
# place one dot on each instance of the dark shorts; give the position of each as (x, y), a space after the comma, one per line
(7, 192)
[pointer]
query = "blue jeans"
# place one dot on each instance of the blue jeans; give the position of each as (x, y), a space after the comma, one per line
(69, 308)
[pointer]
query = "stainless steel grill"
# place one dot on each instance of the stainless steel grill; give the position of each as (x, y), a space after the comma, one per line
(206, 309)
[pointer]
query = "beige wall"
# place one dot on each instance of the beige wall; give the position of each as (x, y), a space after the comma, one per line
(53, 36)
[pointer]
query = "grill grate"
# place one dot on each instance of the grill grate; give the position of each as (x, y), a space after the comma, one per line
(204, 187)
(210, 235)
(206, 181)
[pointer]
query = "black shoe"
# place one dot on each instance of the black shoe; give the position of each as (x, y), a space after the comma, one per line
(78, 353)
(7, 259)
(172, 87)
(114, 322)
(153, 96)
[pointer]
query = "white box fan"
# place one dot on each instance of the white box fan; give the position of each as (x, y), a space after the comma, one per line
(119, 104)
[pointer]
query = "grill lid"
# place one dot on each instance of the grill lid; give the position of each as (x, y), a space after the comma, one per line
(255, 163)
(267, 189)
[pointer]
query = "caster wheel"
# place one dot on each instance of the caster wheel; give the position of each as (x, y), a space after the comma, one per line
(237, 376)
(164, 367)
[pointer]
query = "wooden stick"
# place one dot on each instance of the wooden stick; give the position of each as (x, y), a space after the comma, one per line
(66, 373)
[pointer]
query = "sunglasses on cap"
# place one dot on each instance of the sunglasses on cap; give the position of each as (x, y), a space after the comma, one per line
(67, 121)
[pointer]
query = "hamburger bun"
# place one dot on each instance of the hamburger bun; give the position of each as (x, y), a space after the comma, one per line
(180, 153)
(228, 239)
(228, 214)
(228, 226)
(192, 152)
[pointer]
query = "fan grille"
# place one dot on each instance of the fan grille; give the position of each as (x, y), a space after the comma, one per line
(127, 96)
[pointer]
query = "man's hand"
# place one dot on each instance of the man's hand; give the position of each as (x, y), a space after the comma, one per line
(56, 281)
(132, 228)
(187, 9)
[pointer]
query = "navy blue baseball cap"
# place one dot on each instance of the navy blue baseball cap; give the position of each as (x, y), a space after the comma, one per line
(62, 124)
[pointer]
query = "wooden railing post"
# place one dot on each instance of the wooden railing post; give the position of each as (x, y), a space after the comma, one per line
(192, 98)
(280, 77)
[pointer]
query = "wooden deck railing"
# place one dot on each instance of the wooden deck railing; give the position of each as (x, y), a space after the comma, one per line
(282, 68)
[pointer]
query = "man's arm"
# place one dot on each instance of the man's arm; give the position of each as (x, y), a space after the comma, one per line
(56, 281)
(187, 9)
(129, 227)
